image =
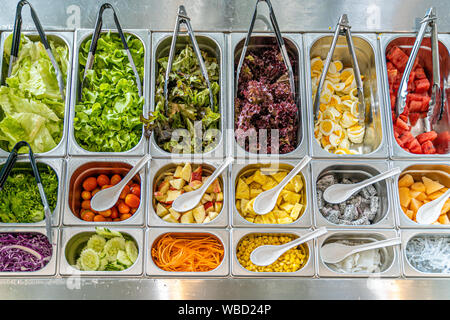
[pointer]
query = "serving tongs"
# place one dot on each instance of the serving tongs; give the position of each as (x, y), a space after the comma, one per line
(93, 46)
(6, 171)
(182, 17)
(280, 43)
(16, 43)
(343, 29)
(437, 95)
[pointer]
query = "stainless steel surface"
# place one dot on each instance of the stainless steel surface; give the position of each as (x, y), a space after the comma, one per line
(248, 167)
(360, 169)
(436, 170)
(58, 167)
(390, 261)
(152, 270)
(82, 35)
(214, 44)
(158, 166)
(62, 38)
(73, 239)
(88, 166)
(375, 143)
(238, 270)
(406, 41)
(294, 44)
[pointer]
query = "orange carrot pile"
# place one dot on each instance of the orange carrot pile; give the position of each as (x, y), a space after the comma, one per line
(188, 253)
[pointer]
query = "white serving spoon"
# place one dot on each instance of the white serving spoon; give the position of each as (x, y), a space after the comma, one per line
(105, 199)
(334, 252)
(430, 211)
(265, 201)
(268, 254)
(189, 200)
(339, 192)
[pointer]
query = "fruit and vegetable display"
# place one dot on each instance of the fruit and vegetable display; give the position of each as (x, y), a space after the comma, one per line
(31, 105)
(188, 103)
(20, 201)
(24, 251)
(187, 253)
(416, 108)
(360, 209)
(415, 192)
(107, 250)
(290, 261)
(290, 203)
(107, 118)
(337, 129)
(264, 102)
(430, 253)
(127, 205)
(187, 178)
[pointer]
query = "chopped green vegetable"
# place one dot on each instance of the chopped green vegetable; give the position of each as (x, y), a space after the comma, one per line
(107, 119)
(31, 105)
(20, 201)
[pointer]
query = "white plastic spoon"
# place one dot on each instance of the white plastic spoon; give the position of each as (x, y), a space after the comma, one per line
(105, 199)
(339, 192)
(189, 200)
(265, 201)
(430, 211)
(268, 254)
(334, 252)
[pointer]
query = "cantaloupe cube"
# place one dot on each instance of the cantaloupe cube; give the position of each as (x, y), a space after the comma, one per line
(431, 185)
(406, 181)
(415, 205)
(404, 196)
(418, 186)
(444, 219)
(409, 214)
(414, 194)
(446, 207)
(435, 195)
(422, 196)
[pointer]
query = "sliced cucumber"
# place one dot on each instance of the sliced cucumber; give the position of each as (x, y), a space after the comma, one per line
(96, 243)
(132, 251)
(78, 264)
(122, 258)
(90, 260)
(114, 266)
(108, 234)
(113, 246)
(103, 263)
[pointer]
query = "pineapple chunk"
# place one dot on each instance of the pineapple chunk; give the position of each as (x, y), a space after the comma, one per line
(418, 186)
(431, 185)
(290, 187)
(405, 199)
(242, 190)
(186, 172)
(406, 181)
(161, 210)
(287, 207)
(279, 176)
(290, 197)
(187, 217)
(199, 214)
(188, 188)
(298, 183)
(248, 180)
(177, 173)
(270, 183)
(259, 177)
(285, 220)
(269, 218)
(249, 207)
(258, 219)
(243, 206)
(250, 219)
(255, 192)
(295, 213)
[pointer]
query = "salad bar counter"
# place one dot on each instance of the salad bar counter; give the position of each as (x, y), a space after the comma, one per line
(342, 109)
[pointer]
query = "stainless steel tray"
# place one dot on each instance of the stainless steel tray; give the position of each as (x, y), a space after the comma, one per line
(65, 38)
(81, 35)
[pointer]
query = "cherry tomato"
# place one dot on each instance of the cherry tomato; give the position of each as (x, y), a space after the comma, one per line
(114, 213)
(90, 184)
(136, 190)
(105, 213)
(132, 200)
(123, 208)
(86, 204)
(125, 216)
(87, 216)
(98, 218)
(109, 219)
(117, 219)
(115, 179)
(102, 180)
(133, 210)
(106, 186)
(95, 191)
(86, 195)
(125, 191)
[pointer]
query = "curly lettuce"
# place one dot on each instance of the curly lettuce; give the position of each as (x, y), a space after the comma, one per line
(107, 119)
(31, 105)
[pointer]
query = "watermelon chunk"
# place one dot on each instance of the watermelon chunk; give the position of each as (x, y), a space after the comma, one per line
(403, 117)
(428, 147)
(398, 58)
(406, 137)
(415, 106)
(442, 142)
(426, 136)
(420, 73)
(402, 124)
(422, 85)
(413, 118)
(425, 103)
(412, 145)
(417, 149)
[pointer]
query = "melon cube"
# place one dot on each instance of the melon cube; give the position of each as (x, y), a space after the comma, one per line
(414, 194)
(415, 204)
(404, 196)
(435, 195)
(406, 181)
(431, 185)
(422, 197)
(444, 219)
(410, 214)
(418, 186)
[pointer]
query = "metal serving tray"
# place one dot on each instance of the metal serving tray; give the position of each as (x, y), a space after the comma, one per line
(444, 178)
(214, 44)
(59, 168)
(390, 257)
(294, 44)
(65, 38)
(238, 270)
(238, 168)
(78, 237)
(375, 143)
(81, 35)
(152, 270)
(408, 269)
(362, 169)
(386, 41)
(80, 168)
(50, 268)
(159, 166)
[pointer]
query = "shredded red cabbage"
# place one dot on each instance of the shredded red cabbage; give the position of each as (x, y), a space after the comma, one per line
(17, 260)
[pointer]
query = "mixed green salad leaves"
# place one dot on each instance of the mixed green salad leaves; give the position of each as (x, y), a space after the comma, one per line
(31, 106)
(188, 103)
(20, 201)
(107, 119)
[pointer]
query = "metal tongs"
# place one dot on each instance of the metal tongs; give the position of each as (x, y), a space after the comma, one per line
(16, 43)
(6, 170)
(342, 28)
(182, 17)
(437, 97)
(93, 47)
(280, 43)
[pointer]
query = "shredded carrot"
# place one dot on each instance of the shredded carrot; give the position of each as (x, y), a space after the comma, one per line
(188, 253)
